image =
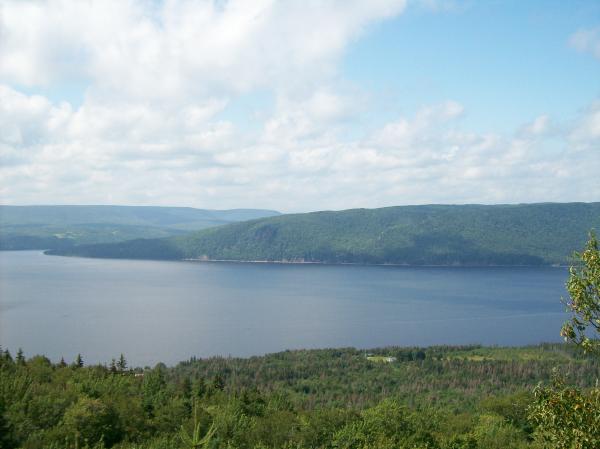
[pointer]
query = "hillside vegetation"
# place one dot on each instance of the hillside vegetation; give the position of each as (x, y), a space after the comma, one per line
(52, 227)
(436, 398)
(526, 234)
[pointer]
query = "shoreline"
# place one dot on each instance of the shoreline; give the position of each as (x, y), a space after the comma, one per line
(307, 262)
(538, 347)
(46, 252)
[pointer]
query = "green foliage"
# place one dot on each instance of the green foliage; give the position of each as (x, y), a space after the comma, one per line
(6, 441)
(566, 417)
(386, 425)
(493, 432)
(20, 358)
(512, 408)
(584, 302)
(121, 363)
(447, 398)
(218, 382)
(194, 440)
(449, 376)
(91, 421)
(78, 363)
(533, 234)
(153, 389)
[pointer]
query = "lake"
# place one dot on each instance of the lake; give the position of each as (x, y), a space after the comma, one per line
(170, 311)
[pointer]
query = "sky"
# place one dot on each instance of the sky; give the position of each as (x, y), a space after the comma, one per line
(299, 105)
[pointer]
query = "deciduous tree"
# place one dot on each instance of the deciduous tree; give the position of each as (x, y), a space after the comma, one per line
(567, 417)
(584, 299)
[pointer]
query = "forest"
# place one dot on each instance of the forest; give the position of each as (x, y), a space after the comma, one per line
(523, 234)
(435, 397)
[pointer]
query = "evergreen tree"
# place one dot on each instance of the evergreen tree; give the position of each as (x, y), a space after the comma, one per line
(62, 363)
(200, 387)
(218, 382)
(78, 363)
(113, 366)
(5, 431)
(186, 387)
(122, 363)
(20, 359)
(194, 441)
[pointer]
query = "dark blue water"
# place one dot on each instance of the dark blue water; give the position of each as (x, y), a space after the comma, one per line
(170, 311)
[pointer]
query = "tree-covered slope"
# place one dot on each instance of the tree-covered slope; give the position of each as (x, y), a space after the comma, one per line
(42, 227)
(527, 234)
(437, 398)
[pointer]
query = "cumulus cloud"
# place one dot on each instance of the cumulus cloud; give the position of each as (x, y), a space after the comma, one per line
(538, 127)
(585, 135)
(154, 126)
(90, 156)
(174, 48)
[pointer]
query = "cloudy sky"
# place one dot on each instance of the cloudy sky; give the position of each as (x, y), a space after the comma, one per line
(299, 105)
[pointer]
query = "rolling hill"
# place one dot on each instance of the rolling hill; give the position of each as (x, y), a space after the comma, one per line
(44, 227)
(524, 234)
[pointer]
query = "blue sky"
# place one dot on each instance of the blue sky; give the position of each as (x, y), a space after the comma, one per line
(506, 61)
(299, 106)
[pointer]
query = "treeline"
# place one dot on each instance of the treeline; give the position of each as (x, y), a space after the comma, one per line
(525, 234)
(29, 242)
(439, 397)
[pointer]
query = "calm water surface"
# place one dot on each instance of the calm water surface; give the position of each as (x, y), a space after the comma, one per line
(169, 311)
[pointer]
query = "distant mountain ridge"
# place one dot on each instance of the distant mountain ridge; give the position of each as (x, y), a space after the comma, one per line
(523, 234)
(43, 227)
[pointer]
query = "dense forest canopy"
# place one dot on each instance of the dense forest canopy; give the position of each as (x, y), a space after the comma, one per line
(525, 234)
(437, 397)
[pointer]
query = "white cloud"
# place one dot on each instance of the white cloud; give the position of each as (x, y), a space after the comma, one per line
(154, 125)
(587, 41)
(585, 135)
(408, 134)
(539, 126)
(179, 48)
(304, 115)
(140, 156)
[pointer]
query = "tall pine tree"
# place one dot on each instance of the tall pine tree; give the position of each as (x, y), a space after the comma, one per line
(122, 363)
(78, 363)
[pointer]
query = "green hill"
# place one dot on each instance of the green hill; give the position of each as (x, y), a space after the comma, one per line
(524, 234)
(43, 227)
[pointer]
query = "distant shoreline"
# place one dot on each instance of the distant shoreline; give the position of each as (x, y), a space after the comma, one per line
(292, 262)
(307, 262)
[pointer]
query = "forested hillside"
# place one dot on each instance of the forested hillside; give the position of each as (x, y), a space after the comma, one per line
(526, 234)
(44, 227)
(436, 398)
